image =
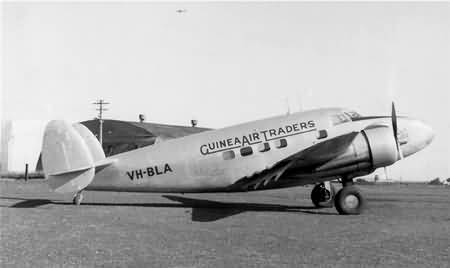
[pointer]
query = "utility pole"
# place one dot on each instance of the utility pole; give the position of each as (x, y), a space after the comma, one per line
(101, 108)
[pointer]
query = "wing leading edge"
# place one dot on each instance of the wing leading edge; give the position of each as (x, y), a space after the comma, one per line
(307, 159)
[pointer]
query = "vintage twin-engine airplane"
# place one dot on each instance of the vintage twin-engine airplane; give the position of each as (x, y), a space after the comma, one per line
(312, 147)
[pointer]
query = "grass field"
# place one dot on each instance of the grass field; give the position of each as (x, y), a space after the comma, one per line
(403, 226)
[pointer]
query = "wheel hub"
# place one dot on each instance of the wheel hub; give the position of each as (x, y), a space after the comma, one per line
(351, 201)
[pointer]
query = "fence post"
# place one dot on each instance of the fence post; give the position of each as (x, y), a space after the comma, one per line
(26, 172)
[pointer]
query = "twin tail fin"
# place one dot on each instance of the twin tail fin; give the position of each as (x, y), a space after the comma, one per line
(70, 154)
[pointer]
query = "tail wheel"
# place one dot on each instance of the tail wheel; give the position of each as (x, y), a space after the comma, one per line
(321, 196)
(77, 199)
(349, 201)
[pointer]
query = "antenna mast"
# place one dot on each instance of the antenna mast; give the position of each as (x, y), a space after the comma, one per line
(288, 107)
(101, 108)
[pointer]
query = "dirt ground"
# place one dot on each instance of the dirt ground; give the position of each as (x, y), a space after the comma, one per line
(403, 226)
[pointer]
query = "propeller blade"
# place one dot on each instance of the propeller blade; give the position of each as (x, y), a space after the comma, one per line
(395, 130)
(394, 120)
(400, 153)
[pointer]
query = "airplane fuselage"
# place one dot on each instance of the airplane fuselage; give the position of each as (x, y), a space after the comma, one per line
(215, 160)
(211, 160)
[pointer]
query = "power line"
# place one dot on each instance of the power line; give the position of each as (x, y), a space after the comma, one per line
(101, 108)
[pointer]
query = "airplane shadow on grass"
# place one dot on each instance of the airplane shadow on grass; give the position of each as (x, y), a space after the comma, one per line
(207, 210)
(202, 210)
(27, 203)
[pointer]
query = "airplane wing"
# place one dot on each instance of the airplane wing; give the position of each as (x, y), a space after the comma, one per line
(261, 180)
(311, 157)
(323, 152)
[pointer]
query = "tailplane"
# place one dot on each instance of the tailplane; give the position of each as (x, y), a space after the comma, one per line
(70, 154)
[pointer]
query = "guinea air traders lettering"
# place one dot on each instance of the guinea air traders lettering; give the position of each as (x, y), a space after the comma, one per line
(233, 142)
(257, 137)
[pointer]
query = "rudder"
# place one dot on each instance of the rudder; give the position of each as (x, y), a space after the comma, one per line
(91, 141)
(67, 160)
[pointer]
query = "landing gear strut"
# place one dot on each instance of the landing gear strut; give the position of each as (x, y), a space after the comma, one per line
(349, 200)
(322, 195)
(78, 198)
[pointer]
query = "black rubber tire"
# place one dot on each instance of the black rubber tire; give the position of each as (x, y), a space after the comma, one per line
(318, 199)
(354, 206)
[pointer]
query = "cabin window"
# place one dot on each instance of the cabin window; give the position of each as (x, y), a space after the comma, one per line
(281, 143)
(264, 147)
(227, 155)
(322, 134)
(246, 151)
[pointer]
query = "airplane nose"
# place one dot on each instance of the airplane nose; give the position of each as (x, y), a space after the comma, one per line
(428, 133)
(414, 135)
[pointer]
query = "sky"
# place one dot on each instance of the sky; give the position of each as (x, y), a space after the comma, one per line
(228, 63)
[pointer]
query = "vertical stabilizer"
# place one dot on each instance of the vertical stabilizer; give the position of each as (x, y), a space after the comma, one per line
(91, 141)
(66, 157)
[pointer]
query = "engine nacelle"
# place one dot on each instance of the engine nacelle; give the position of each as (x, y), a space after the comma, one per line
(383, 147)
(373, 148)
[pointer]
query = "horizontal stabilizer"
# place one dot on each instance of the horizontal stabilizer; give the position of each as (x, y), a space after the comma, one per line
(72, 181)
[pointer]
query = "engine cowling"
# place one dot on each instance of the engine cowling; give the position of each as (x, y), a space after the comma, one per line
(372, 148)
(383, 147)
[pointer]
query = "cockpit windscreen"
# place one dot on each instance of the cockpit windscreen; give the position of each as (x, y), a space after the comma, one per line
(343, 117)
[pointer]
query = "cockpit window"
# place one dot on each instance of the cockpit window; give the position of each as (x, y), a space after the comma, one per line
(353, 114)
(340, 118)
(344, 117)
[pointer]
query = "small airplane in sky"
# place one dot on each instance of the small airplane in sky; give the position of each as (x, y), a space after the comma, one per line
(310, 147)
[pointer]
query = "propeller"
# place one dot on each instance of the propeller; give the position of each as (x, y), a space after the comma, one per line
(395, 130)
(394, 120)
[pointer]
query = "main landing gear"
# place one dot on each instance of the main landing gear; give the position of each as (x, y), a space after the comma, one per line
(78, 198)
(322, 195)
(348, 200)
